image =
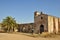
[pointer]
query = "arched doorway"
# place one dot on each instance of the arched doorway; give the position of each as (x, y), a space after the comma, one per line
(41, 28)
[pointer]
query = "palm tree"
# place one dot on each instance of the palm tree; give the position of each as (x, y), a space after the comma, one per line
(9, 23)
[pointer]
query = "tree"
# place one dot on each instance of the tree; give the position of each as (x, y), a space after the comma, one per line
(9, 24)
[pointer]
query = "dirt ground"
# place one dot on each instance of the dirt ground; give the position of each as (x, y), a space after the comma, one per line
(8, 36)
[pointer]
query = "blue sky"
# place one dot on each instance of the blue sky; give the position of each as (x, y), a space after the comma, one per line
(23, 10)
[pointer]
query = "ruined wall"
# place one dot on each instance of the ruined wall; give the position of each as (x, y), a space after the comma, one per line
(25, 27)
(50, 24)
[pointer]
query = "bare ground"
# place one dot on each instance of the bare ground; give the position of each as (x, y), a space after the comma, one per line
(8, 36)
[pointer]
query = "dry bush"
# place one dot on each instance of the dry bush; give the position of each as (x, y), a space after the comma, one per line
(46, 34)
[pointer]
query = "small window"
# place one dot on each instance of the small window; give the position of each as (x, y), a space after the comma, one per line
(41, 17)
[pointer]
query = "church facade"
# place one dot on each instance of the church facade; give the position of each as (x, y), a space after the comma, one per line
(42, 23)
(46, 23)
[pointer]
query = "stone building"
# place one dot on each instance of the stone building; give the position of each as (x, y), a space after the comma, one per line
(42, 23)
(46, 23)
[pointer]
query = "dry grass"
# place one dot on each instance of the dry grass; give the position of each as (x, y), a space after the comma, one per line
(27, 36)
(46, 34)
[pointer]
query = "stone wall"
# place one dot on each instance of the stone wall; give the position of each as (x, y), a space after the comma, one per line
(25, 27)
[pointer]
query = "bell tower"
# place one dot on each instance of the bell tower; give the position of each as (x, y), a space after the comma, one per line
(36, 13)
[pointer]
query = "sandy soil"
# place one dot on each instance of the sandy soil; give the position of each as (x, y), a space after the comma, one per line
(7, 36)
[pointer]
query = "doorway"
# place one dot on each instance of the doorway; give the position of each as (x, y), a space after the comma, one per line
(41, 28)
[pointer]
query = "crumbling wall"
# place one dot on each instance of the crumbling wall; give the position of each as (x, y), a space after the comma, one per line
(26, 27)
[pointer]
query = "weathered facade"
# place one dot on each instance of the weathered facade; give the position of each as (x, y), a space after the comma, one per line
(46, 23)
(42, 23)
